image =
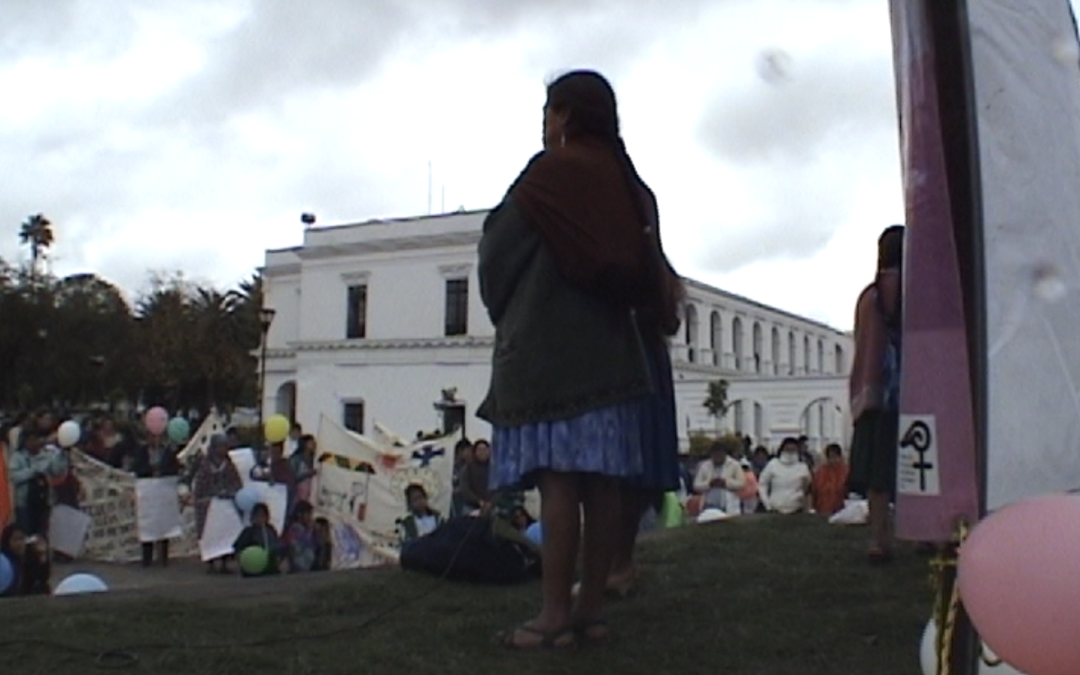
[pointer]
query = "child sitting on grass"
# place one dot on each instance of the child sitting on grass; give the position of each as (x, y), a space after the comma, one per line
(263, 535)
(422, 519)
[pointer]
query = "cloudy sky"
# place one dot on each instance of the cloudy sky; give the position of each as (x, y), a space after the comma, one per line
(190, 134)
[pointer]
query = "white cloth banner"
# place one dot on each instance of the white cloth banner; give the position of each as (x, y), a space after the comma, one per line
(213, 424)
(363, 480)
(1027, 98)
(360, 486)
(157, 506)
(223, 526)
(108, 496)
(353, 548)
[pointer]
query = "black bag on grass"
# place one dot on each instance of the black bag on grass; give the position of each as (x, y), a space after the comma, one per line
(482, 550)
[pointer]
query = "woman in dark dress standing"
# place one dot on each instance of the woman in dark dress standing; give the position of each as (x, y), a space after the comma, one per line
(568, 262)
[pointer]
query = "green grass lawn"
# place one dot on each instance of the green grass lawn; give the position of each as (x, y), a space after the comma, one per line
(776, 595)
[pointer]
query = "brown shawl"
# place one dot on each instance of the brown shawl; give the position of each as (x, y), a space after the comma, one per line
(579, 199)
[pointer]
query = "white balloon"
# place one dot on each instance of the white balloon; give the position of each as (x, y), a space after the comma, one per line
(77, 584)
(68, 434)
(929, 661)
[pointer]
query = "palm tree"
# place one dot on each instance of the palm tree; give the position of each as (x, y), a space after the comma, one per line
(38, 234)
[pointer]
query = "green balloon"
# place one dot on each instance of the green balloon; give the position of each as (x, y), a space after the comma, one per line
(254, 560)
(178, 430)
(671, 514)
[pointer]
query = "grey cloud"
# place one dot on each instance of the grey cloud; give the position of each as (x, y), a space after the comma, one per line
(284, 48)
(92, 169)
(800, 207)
(828, 99)
(97, 31)
(807, 146)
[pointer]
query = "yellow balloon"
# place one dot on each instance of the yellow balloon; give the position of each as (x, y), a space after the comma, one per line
(276, 429)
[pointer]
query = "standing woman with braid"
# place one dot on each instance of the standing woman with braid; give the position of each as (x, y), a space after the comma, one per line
(569, 266)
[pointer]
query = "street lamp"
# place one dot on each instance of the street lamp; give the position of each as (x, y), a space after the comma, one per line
(266, 317)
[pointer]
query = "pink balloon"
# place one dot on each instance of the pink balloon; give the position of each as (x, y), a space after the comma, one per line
(1019, 577)
(156, 420)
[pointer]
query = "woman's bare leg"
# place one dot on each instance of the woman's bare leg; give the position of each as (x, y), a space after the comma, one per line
(879, 520)
(601, 500)
(632, 505)
(560, 518)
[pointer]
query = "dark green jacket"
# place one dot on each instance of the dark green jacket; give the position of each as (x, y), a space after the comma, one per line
(559, 352)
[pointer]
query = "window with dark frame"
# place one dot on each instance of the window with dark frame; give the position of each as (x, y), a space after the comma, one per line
(353, 416)
(356, 312)
(457, 307)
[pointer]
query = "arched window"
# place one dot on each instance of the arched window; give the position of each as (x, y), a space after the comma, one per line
(839, 360)
(791, 352)
(716, 338)
(757, 347)
(691, 333)
(774, 340)
(821, 356)
(737, 342)
(806, 354)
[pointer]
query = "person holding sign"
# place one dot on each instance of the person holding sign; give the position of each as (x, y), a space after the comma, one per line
(215, 478)
(874, 387)
(155, 459)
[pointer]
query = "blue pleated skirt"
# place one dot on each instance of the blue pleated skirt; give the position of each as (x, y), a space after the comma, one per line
(604, 441)
(636, 441)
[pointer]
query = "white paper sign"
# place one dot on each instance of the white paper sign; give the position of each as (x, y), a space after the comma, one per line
(918, 469)
(68, 529)
(157, 508)
(244, 461)
(223, 526)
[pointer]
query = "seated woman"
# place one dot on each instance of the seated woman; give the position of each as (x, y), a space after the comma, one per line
(784, 483)
(830, 481)
(29, 558)
(262, 534)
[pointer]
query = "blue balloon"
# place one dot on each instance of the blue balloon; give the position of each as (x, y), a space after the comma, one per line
(535, 534)
(78, 584)
(7, 573)
(246, 499)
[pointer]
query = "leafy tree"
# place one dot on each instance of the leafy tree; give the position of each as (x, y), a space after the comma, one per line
(716, 402)
(76, 341)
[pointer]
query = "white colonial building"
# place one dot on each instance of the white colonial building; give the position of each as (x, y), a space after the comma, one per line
(382, 322)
